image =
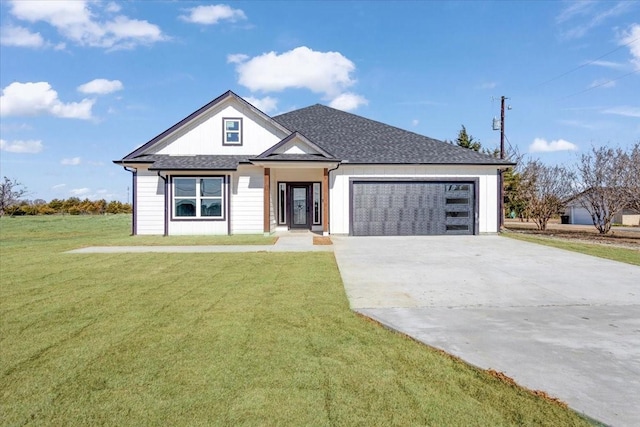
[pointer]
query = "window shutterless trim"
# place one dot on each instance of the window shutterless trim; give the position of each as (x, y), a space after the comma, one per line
(224, 197)
(239, 131)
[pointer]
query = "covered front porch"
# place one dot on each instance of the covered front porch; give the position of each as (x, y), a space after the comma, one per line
(296, 197)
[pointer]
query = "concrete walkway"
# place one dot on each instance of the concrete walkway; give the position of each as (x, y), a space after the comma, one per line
(293, 242)
(558, 321)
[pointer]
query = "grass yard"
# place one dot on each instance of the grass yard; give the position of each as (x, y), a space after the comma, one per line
(215, 339)
(629, 256)
(110, 230)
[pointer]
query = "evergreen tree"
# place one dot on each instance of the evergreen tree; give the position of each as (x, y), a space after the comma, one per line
(465, 140)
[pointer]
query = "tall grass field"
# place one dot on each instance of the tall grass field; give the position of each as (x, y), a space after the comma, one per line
(198, 339)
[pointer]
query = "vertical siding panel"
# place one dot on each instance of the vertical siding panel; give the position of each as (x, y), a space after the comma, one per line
(150, 203)
(204, 136)
(247, 211)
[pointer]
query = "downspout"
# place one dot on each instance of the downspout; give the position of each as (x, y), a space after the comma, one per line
(329, 192)
(166, 212)
(134, 188)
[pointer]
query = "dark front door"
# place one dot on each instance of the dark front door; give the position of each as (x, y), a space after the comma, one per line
(299, 206)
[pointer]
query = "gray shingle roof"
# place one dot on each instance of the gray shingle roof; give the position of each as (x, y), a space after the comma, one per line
(200, 162)
(336, 134)
(296, 157)
(357, 139)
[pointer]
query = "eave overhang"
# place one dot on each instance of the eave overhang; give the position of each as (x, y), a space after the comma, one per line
(295, 164)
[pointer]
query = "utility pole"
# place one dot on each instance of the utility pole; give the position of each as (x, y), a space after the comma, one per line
(502, 98)
(501, 171)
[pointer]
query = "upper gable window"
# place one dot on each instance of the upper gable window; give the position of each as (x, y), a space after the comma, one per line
(232, 131)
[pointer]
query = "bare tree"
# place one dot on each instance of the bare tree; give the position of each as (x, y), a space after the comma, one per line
(603, 179)
(633, 177)
(544, 190)
(10, 193)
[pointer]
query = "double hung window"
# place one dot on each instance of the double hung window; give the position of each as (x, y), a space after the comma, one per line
(232, 131)
(198, 197)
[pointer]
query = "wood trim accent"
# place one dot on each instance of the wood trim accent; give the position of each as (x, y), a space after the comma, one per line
(325, 201)
(267, 200)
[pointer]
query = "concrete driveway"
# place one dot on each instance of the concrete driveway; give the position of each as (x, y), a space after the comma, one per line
(553, 320)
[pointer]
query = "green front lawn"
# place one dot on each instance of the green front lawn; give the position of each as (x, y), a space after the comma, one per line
(215, 339)
(109, 230)
(629, 256)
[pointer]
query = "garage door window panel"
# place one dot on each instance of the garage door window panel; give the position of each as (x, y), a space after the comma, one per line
(412, 208)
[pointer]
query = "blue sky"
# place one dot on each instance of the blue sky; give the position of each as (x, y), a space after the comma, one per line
(86, 82)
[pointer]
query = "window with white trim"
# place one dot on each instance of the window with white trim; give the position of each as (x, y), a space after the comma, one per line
(198, 197)
(232, 131)
(282, 203)
(316, 203)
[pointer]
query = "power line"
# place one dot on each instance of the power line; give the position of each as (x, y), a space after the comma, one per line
(585, 64)
(600, 84)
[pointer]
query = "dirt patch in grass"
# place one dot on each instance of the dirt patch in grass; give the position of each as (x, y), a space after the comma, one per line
(322, 240)
(508, 380)
(624, 238)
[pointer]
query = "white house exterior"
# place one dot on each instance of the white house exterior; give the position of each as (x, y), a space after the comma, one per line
(228, 168)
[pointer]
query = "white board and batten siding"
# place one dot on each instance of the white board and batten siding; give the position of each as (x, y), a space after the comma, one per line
(204, 136)
(487, 191)
(150, 199)
(247, 194)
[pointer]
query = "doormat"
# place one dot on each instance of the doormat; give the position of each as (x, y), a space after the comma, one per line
(322, 240)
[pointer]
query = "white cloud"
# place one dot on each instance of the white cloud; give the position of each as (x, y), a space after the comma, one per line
(266, 104)
(607, 64)
(540, 145)
(348, 101)
(32, 99)
(58, 186)
(415, 122)
(574, 9)
(212, 14)
(112, 8)
(76, 21)
(328, 73)
(623, 111)
(632, 37)
(79, 191)
(73, 161)
(585, 16)
(236, 58)
(27, 147)
(101, 86)
(603, 83)
(20, 37)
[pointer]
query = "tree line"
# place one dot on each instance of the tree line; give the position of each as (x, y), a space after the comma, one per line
(604, 181)
(13, 203)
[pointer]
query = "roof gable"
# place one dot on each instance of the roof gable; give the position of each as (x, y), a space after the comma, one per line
(296, 144)
(195, 119)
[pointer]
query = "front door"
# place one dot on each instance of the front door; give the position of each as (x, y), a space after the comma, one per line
(299, 206)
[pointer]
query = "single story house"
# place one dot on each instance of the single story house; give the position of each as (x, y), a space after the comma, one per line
(575, 213)
(229, 168)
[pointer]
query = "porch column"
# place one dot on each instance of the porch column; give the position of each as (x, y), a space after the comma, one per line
(267, 200)
(325, 202)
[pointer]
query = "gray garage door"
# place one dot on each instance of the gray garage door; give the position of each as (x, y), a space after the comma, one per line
(408, 208)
